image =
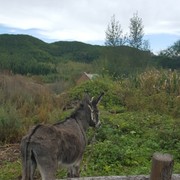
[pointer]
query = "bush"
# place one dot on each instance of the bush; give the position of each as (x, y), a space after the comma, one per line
(10, 125)
(126, 141)
(94, 88)
(139, 115)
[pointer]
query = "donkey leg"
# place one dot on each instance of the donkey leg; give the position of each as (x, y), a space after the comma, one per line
(28, 166)
(47, 167)
(70, 172)
(33, 168)
(29, 174)
(74, 171)
(47, 174)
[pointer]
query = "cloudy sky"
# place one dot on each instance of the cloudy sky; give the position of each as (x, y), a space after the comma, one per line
(87, 20)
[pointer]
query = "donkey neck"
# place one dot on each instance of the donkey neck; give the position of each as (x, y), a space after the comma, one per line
(82, 120)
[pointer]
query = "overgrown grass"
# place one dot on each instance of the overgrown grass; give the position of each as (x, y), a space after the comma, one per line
(24, 103)
(10, 124)
(10, 170)
(126, 142)
(140, 115)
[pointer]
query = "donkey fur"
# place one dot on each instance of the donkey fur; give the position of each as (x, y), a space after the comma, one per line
(63, 143)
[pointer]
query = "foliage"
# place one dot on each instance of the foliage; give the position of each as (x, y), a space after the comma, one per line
(153, 90)
(136, 31)
(140, 111)
(76, 51)
(24, 54)
(10, 171)
(123, 60)
(10, 124)
(23, 103)
(170, 57)
(115, 37)
(126, 142)
(21, 54)
(138, 118)
(172, 51)
(139, 114)
(114, 32)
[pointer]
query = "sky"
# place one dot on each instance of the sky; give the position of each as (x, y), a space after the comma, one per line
(87, 20)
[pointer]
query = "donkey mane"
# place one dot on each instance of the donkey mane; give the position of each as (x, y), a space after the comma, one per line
(71, 116)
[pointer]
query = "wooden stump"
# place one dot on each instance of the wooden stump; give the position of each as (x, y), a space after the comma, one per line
(162, 167)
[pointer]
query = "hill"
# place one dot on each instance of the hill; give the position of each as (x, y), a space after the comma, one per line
(28, 46)
(25, 54)
(24, 45)
(76, 51)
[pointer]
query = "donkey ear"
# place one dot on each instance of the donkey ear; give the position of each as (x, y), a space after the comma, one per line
(96, 101)
(100, 97)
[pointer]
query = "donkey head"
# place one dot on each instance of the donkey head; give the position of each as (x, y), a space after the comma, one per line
(92, 110)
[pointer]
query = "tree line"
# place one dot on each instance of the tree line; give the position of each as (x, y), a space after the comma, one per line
(115, 36)
(170, 57)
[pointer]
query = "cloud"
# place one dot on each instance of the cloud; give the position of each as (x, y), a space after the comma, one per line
(86, 20)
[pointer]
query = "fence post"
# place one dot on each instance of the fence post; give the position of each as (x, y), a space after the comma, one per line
(162, 166)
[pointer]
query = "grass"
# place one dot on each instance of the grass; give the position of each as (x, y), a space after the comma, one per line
(140, 115)
(10, 170)
(121, 147)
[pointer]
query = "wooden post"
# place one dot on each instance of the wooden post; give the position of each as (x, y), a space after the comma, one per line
(162, 166)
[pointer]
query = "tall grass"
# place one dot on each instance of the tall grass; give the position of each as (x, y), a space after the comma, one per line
(155, 81)
(10, 124)
(160, 90)
(152, 90)
(140, 115)
(23, 103)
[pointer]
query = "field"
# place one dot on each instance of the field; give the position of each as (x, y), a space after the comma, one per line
(140, 115)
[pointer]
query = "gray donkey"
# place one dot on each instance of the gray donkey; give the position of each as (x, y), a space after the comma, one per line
(62, 143)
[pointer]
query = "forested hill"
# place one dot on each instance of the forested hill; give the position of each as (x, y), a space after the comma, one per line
(25, 54)
(20, 46)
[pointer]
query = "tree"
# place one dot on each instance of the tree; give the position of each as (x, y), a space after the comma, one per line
(172, 51)
(114, 36)
(170, 57)
(136, 32)
(146, 45)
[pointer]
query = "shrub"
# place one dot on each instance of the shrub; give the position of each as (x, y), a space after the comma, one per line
(10, 124)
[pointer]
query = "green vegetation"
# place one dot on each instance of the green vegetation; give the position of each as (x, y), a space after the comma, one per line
(116, 37)
(140, 111)
(170, 57)
(137, 121)
(140, 115)
(26, 55)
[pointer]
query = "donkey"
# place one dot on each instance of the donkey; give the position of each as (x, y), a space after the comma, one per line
(63, 143)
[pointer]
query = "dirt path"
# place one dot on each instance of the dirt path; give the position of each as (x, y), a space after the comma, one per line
(9, 153)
